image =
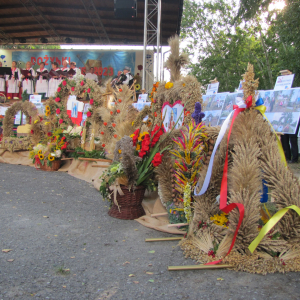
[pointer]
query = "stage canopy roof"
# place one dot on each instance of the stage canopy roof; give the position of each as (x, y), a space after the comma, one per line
(80, 22)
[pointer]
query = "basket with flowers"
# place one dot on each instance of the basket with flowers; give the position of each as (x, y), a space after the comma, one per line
(47, 154)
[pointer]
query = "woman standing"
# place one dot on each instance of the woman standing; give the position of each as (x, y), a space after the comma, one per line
(41, 81)
(27, 82)
(2, 82)
(54, 81)
(13, 81)
(65, 68)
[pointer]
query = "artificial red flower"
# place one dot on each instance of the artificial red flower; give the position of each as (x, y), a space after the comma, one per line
(49, 133)
(120, 100)
(73, 88)
(188, 112)
(155, 114)
(142, 154)
(102, 132)
(59, 89)
(140, 67)
(146, 143)
(57, 99)
(63, 138)
(120, 90)
(88, 114)
(103, 145)
(111, 112)
(31, 131)
(88, 90)
(135, 137)
(115, 136)
(41, 119)
(58, 111)
(60, 121)
(113, 125)
(92, 101)
(82, 83)
(84, 91)
(104, 123)
(118, 111)
(64, 83)
(155, 134)
(156, 161)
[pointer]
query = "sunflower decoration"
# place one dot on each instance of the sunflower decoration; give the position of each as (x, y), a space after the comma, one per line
(50, 157)
(47, 113)
(137, 87)
(47, 108)
(39, 152)
(41, 156)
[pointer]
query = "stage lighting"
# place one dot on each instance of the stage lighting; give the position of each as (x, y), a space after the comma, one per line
(22, 40)
(44, 40)
(125, 9)
(68, 40)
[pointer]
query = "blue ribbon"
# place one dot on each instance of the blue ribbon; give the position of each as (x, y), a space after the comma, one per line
(259, 102)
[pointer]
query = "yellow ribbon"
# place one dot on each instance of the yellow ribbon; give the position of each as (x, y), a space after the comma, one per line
(270, 224)
(262, 110)
(116, 189)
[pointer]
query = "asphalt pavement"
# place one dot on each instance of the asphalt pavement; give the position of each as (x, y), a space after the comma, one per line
(58, 242)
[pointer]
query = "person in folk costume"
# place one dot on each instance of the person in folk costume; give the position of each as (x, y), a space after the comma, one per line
(126, 77)
(65, 68)
(27, 83)
(2, 82)
(41, 86)
(54, 81)
(13, 81)
(77, 70)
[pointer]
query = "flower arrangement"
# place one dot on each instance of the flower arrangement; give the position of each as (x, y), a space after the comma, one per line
(154, 89)
(169, 85)
(50, 149)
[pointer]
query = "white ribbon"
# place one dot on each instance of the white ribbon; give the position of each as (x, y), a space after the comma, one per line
(241, 104)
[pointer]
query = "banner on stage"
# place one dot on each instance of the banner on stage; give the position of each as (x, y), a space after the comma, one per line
(105, 63)
(284, 82)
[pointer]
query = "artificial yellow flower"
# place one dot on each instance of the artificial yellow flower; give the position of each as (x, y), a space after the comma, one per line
(169, 85)
(132, 135)
(36, 121)
(47, 108)
(39, 152)
(140, 138)
(41, 156)
(47, 123)
(120, 151)
(132, 123)
(138, 147)
(47, 113)
(50, 157)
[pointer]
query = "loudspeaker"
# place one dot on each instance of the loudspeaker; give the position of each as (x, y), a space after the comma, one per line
(125, 9)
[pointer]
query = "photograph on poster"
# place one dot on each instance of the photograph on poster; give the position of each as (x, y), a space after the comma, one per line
(172, 113)
(211, 117)
(74, 113)
(284, 122)
(281, 101)
(230, 100)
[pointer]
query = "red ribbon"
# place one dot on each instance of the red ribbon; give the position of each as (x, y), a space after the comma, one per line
(37, 162)
(223, 193)
(249, 101)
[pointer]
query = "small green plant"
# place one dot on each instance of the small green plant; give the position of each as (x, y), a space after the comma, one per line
(61, 270)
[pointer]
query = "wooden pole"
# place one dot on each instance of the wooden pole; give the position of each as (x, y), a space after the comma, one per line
(197, 267)
(100, 166)
(178, 225)
(159, 215)
(177, 238)
(95, 159)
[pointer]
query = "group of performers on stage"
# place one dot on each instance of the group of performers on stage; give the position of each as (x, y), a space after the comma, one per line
(40, 81)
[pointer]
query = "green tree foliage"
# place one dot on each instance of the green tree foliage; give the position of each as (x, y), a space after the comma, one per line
(223, 45)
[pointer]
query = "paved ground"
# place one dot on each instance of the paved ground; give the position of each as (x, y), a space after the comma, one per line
(53, 222)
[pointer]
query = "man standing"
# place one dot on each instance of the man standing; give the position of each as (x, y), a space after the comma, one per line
(91, 75)
(126, 77)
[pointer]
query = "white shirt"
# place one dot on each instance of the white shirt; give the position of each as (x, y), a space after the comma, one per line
(128, 78)
(92, 76)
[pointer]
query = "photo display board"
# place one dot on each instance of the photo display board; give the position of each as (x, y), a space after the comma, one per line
(282, 109)
(213, 106)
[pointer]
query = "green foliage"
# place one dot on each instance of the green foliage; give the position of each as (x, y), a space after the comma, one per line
(79, 152)
(225, 44)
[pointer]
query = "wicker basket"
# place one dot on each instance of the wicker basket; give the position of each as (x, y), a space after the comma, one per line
(130, 204)
(54, 166)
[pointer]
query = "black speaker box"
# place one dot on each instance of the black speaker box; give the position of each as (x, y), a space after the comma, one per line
(125, 9)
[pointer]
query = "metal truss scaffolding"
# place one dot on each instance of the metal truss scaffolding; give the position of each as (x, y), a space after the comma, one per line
(151, 33)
